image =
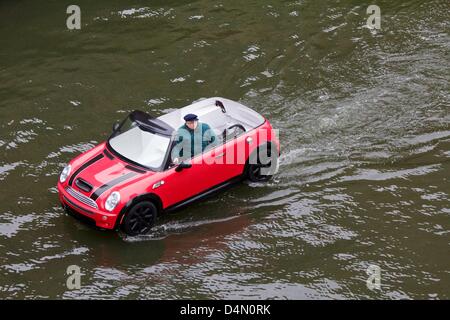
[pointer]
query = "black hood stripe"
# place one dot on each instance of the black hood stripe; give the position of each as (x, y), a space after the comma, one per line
(111, 184)
(134, 169)
(84, 166)
(108, 154)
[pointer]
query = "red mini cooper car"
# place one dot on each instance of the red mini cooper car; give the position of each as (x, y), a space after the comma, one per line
(127, 181)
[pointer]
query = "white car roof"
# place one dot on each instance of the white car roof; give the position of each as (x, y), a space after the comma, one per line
(209, 113)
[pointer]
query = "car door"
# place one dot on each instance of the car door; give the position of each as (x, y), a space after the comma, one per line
(188, 183)
(230, 158)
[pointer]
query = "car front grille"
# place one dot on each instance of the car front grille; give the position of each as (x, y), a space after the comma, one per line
(82, 198)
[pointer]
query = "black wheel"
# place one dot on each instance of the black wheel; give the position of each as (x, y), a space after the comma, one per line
(255, 166)
(254, 173)
(140, 219)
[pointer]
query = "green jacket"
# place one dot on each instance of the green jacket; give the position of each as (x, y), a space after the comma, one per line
(192, 142)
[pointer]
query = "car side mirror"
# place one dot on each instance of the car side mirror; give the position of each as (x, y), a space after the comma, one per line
(183, 165)
(116, 126)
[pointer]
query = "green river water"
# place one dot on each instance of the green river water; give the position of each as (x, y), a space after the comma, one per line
(364, 120)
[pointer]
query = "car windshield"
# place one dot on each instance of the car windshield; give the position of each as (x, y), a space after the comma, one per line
(143, 147)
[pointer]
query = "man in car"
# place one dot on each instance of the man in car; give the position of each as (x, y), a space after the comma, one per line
(192, 138)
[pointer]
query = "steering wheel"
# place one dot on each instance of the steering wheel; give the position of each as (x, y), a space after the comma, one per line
(237, 126)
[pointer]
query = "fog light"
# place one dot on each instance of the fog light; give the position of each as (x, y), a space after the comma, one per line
(104, 218)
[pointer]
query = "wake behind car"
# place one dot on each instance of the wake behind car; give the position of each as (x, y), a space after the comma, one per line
(127, 181)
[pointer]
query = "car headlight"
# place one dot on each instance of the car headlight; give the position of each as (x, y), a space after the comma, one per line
(65, 173)
(112, 201)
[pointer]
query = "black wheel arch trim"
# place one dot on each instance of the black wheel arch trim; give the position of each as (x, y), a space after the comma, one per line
(270, 143)
(153, 197)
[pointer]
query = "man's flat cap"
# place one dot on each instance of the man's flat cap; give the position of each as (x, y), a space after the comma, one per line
(190, 117)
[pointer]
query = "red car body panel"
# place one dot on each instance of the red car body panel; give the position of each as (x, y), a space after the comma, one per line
(135, 182)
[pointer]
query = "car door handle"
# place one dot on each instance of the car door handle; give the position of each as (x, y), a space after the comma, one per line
(220, 155)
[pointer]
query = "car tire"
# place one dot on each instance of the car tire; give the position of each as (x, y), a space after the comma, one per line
(254, 164)
(140, 218)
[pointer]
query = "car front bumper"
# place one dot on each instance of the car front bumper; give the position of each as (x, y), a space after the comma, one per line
(97, 217)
